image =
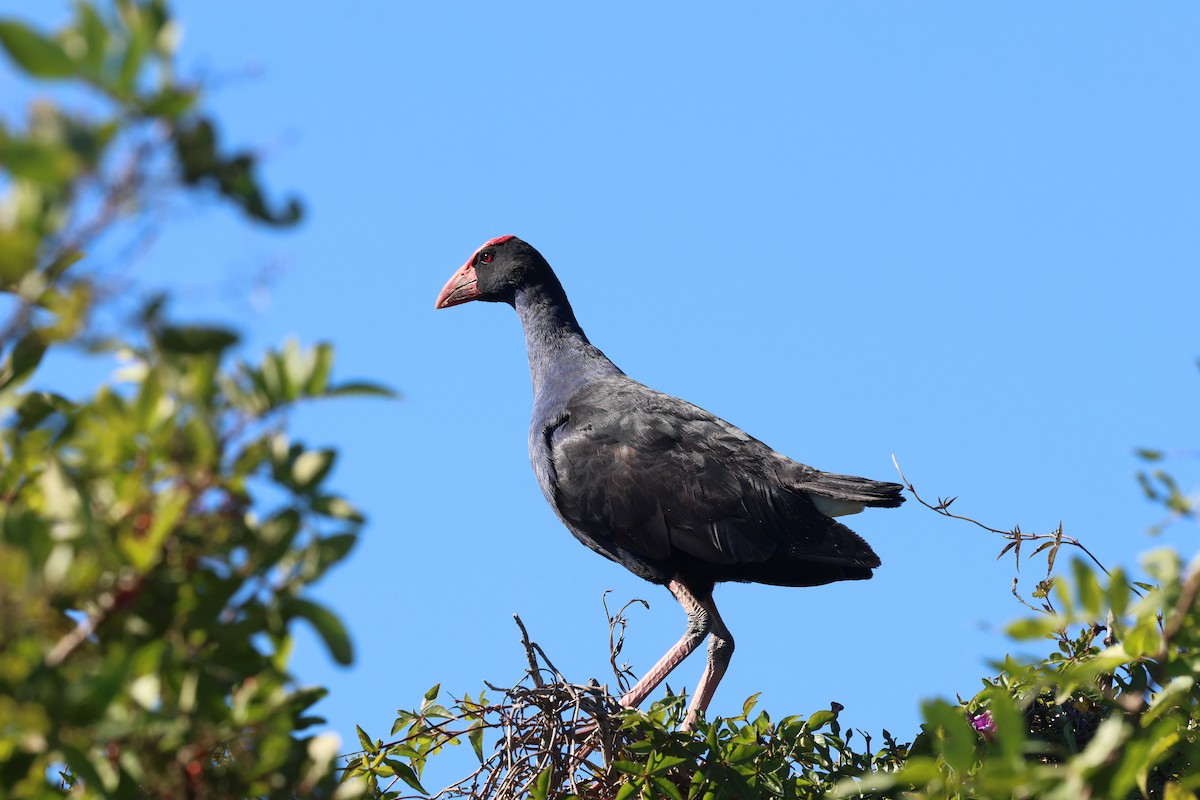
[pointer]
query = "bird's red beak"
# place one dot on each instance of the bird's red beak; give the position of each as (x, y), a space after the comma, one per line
(459, 289)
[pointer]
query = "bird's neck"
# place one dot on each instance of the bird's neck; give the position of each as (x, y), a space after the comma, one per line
(561, 359)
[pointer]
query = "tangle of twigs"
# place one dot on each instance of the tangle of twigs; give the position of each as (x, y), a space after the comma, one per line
(550, 734)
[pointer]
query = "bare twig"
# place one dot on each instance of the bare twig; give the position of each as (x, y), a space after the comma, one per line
(534, 673)
(1052, 541)
(617, 623)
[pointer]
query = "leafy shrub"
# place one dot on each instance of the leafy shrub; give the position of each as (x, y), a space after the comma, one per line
(157, 535)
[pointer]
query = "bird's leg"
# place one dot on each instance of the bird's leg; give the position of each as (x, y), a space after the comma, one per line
(700, 620)
(720, 650)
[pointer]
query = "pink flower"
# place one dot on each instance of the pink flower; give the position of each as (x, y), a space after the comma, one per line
(983, 723)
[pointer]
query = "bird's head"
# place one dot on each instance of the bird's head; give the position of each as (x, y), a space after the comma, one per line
(493, 273)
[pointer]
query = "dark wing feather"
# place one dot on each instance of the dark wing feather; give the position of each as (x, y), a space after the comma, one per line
(664, 481)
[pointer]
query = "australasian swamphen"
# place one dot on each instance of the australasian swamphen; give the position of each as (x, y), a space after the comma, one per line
(671, 492)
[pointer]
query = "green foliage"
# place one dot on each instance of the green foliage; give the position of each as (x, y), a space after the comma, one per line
(158, 534)
(73, 175)
(1092, 719)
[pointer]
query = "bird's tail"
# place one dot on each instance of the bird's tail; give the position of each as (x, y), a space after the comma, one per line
(850, 494)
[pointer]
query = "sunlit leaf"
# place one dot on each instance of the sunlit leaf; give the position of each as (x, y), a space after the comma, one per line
(954, 737)
(1091, 596)
(630, 788)
(33, 52)
(820, 719)
(41, 162)
(337, 508)
(1170, 695)
(318, 378)
(475, 736)
(1034, 627)
(18, 255)
(311, 467)
(436, 711)
(364, 739)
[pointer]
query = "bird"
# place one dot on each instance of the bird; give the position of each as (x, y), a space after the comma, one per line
(675, 494)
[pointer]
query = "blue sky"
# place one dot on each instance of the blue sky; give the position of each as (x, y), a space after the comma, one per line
(963, 234)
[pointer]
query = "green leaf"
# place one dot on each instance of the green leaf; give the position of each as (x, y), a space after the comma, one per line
(403, 719)
(1091, 596)
(631, 788)
(1118, 592)
(1170, 696)
(136, 45)
(387, 767)
(364, 739)
(333, 549)
(277, 534)
(195, 339)
(664, 764)
(667, 788)
(1163, 564)
(60, 497)
(318, 379)
(432, 694)
(1108, 737)
(62, 263)
(475, 736)
(327, 625)
(436, 711)
(149, 399)
(47, 163)
(1034, 627)
(90, 697)
(361, 389)
(1176, 791)
(337, 507)
(1163, 740)
(1142, 638)
(1010, 726)
(18, 255)
(311, 467)
(37, 55)
(95, 34)
(23, 360)
(954, 737)
(820, 719)
(407, 775)
(541, 785)
(170, 102)
(37, 406)
(144, 546)
(196, 149)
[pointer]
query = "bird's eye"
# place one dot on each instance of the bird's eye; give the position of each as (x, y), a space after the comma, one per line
(485, 258)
